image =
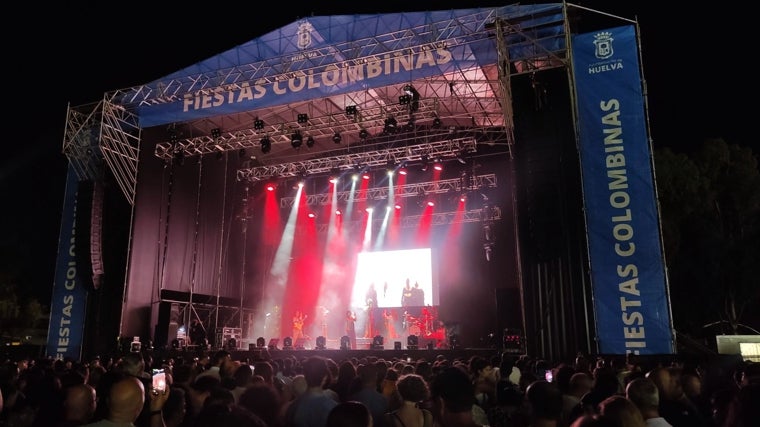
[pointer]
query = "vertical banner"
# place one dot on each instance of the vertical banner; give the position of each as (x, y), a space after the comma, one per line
(627, 266)
(68, 303)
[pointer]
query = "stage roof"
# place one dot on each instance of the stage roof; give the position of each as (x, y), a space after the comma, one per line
(440, 75)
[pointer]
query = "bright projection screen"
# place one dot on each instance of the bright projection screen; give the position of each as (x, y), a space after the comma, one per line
(389, 271)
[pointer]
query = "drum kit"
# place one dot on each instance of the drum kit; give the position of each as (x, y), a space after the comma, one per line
(416, 325)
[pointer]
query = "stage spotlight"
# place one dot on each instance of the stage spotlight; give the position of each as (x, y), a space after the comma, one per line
(334, 175)
(241, 153)
(296, 139)
(413, 97)
(232, 344)
(345, 342)
(270, 187)
(321, 343)
(390, 125)
(425, 161)
(397, 345)
(336, 138)
(436, 122)
(412, 342)
(351, 110)
(377, 342)
(258, 124)
(310, 141)
(266, 145)
(216, 133)
(273, 343)
(437, 165)
(363, 134)
(303, 118)
(287, 343)
(261, 342)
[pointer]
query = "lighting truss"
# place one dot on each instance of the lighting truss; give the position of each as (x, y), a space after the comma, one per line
(317, 127)
(408, 190)
(446, 149)
(439, 218)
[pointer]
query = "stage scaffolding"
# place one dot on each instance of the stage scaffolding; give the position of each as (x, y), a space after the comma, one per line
(454, 114)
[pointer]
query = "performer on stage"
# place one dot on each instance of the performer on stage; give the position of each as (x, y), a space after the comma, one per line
(298, 320)
(390, 328)
(351, 328)
(198, 334)
(426, 321)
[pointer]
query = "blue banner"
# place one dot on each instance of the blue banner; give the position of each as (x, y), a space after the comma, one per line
(323, 56)
(631, 301)
(69, 301)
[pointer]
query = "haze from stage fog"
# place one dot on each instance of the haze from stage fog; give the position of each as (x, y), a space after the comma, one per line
(696, 62)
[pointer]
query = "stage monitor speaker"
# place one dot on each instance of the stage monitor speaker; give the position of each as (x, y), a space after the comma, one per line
(168, 323)
(397, 345)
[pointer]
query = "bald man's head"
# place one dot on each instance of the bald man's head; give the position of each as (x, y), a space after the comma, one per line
(127, 398)
(80, 403)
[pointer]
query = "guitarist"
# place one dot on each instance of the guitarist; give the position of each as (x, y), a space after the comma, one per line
(298, 320)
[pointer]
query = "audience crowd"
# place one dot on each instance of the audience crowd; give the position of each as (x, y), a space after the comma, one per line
(314, 390)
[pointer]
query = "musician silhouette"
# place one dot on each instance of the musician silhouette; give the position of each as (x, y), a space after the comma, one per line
(298, 320)
(371, 300)
(351, 327)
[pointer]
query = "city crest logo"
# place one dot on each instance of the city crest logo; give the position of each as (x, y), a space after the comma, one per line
(304, 35)
(603, 45)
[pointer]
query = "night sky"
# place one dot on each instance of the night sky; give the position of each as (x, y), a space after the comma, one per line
(697, 63)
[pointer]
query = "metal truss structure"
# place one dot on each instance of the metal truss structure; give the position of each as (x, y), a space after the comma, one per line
(486, 214)
(474, 100)
(407, 190)
(441, 150)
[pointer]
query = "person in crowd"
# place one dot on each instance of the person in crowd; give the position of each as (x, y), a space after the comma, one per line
(580, 383)
(507, 409)
(79, 405)
(126, 401)
(175, 408)
(349, 414)
(368, 393)
(298, 387)
(621, 411)
(312, 408)
(199, 391)
(675, 407)
(453, 398)
(218, 363)
(413, 391)
(605, 385)
(644, 394)
(342, 384)
(264, 401)
(545, 402)
(243, 377)
(484, 380)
